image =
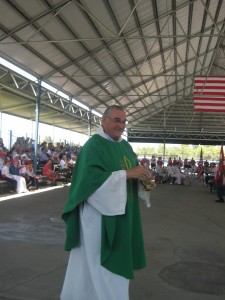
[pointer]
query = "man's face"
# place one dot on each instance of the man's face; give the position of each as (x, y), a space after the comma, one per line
(114, 124)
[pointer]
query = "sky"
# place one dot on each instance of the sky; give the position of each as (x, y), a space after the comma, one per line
(25, 128)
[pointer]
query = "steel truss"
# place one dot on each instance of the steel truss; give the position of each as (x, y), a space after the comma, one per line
(27, 89)
(194, 138)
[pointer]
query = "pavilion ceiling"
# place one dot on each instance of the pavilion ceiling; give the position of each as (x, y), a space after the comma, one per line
(140, 54)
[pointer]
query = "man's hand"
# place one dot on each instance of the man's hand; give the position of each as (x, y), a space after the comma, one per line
(138, 172)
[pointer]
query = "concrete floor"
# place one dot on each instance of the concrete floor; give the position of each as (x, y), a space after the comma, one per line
(184, 238)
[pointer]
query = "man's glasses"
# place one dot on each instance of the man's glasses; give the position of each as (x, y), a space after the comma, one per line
(118, 121)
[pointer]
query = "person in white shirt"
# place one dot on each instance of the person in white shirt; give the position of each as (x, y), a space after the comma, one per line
(8, 177)
(20, 185)
(63, 162)
(174, 172)
(72, 161)
(211, 173)
(32, 177)
(160, 171)
(2, 159)
(65, 168)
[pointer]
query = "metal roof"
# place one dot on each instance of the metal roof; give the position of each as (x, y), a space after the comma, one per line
(139, 54)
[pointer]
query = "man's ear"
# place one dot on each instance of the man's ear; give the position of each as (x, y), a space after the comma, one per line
(103, 120)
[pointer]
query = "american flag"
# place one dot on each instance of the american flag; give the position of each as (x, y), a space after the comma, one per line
(209, 93)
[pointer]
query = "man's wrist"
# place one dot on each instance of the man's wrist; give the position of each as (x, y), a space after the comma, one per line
(130, 173)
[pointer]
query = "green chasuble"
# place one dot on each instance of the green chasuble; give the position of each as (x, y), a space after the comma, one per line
(122, 247)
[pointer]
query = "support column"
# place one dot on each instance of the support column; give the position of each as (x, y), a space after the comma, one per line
(164, 136)
(10, 139)
(37, 113)
(164, 149)
(89, 124)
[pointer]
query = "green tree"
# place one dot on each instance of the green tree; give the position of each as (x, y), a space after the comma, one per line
(48, 139)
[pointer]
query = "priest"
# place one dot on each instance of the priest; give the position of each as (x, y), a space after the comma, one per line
(102, 215)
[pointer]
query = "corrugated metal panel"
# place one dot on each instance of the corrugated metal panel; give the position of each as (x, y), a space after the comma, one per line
(140, 54)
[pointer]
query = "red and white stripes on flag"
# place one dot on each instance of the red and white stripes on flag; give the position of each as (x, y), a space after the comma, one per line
(209, 93)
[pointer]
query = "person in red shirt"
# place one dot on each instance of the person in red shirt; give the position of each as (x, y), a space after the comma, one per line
(145, 162)
(47, 171)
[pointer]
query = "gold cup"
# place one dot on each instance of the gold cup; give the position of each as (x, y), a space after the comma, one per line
(148, 184)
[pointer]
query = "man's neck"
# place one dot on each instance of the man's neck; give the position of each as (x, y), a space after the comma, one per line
(109, 137)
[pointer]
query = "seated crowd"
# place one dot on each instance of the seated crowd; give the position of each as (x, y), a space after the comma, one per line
(177, 169)
(56, 162)
(53, 162)
(177, 172)
(171, 172)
